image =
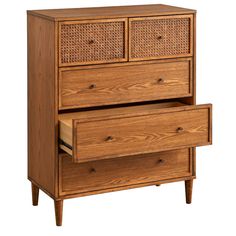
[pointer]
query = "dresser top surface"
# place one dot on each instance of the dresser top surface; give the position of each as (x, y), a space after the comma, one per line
(109, 12)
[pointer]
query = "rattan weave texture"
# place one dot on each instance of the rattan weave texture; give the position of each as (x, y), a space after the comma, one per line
(160, 37)
(88, 42)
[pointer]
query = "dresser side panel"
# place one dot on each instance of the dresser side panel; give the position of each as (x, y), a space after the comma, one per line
(192, 100)
(41, 103)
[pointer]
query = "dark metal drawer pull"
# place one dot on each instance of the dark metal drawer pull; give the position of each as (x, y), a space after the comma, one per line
(109, 138)
(92, 86)
(160, 81)
(91, 41)
(92, 170)
(160, 161)
(180, 129)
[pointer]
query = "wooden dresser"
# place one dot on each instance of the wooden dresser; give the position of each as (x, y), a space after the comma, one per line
(112, 100)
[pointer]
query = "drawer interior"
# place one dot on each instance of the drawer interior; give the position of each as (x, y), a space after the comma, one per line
(116, 132)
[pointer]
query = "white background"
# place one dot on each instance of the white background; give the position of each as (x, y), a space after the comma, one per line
(143, 211)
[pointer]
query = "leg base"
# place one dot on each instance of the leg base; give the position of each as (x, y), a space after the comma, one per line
(188, 190)
(35, 194)
(58, 204)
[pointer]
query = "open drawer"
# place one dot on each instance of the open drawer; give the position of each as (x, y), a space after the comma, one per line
(116, 132)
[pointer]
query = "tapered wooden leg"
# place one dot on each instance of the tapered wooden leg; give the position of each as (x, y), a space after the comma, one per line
(188, 190)
(58, 204)
(35, 194)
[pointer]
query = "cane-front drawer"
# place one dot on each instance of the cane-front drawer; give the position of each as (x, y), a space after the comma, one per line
(85, 87)
(134, 130)
(160, 37)
(111, 174)
(92, 41)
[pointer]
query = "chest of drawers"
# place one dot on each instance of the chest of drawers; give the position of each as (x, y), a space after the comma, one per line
(112, 100)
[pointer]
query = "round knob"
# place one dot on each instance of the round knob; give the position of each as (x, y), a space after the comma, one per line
(92, 86)
(109, 138)
(160, 81)
(91, 41)
(159, 37)
(160, 161)
(92, 170)
(179, 129)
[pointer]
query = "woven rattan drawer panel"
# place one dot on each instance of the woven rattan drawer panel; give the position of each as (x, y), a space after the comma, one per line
(91, 42)
(160, 37)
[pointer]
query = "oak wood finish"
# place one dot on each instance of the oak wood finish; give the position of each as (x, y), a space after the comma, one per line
(188, 190)
(35, 194)
(82, 62)
(144, 184)
(110, 12)
(149, 168)
(41, 103)
(109, 85)
(58, 204)
(136, 133)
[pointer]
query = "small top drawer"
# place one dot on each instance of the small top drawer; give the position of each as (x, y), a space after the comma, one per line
(93, 41)
(160, 37)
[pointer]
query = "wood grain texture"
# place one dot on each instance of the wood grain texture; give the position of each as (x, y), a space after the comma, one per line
(192, 99)
(188, 191)
(115, 85)
(35, 194)
(66, 120)
(93, 42)
(58, 205)
(121, 111)
(113, 173)
(110, 12)
(116, 148)
(125, 187)
(131, 134)
(41, 103)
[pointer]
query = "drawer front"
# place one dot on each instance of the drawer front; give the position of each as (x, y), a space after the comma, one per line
(91, 42)
(124, 84)
(160, 37)
(115, 173)
(187, 126)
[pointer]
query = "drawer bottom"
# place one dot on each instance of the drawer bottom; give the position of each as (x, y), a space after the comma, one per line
(121, 173)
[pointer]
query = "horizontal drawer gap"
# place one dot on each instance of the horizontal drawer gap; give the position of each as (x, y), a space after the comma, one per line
(61, 142)
(121, 105)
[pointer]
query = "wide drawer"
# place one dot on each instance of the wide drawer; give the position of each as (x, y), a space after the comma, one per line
(92, 41)
(160, 37)
(109, 133)
(121, 173)
(123, 84)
